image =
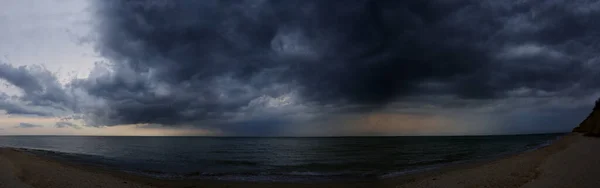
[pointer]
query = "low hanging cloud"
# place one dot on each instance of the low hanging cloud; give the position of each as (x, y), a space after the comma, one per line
(42, 94)
(65, 124)
(259, 66)
(17, 109)
(27, 126)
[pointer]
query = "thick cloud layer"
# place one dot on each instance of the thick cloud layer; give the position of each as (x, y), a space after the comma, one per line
(27, 125)
(42, 94)
(237, 65)
(65, 124)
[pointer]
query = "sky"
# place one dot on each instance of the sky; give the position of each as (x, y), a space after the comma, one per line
(297, 67)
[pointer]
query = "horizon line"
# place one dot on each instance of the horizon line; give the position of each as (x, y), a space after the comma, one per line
(474, 135)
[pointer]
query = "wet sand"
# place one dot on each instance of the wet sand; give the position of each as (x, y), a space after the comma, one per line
(572, 161)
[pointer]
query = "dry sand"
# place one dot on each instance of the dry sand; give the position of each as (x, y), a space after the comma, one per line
(573, 161)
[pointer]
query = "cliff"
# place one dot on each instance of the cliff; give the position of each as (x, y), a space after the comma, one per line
(591, 125)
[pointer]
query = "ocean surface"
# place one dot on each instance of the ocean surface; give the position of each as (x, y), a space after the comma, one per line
(275, 159)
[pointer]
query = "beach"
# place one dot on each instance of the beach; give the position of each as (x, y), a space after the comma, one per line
(571, 161)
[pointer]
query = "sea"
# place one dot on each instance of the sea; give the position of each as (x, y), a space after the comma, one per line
(276, 159)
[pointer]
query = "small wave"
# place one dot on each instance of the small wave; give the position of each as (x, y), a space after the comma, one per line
(544, 144)
(405, 172)
(327, 174)
(427, 162)
(233, 162)
(305, 173)
(53, 153)
(294, 176)
(327, 166)
(153, 172)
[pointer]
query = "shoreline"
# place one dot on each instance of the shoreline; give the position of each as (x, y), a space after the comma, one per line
(281, 177)
(512, 170)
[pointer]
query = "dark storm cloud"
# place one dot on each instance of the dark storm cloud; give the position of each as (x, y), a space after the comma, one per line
(27, 125)
(254, 66)
(360, 52)
(14, 108)
(40, 88)
(188, 61)
(18, 110)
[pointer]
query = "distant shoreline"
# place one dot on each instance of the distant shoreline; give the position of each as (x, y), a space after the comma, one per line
(524, 169)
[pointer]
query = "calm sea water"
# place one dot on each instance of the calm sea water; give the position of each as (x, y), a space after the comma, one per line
(275, 159)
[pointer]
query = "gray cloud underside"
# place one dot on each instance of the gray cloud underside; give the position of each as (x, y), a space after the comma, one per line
(237, 65)
(42, 95)
(27, 125)
(65, 124)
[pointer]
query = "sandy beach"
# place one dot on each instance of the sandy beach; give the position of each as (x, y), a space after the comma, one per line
(571, 161)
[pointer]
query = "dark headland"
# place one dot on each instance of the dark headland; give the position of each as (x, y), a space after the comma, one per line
(591, 125)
